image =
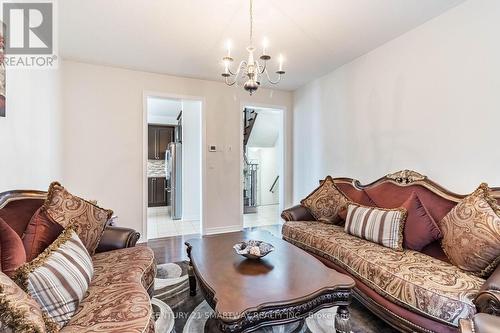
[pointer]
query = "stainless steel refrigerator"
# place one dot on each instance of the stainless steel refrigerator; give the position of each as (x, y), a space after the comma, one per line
(173, 170)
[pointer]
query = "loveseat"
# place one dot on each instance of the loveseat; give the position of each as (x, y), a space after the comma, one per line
(413, 291)
(118, 298)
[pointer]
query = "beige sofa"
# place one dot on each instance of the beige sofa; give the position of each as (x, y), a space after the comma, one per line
(412, 291)
(118, 298)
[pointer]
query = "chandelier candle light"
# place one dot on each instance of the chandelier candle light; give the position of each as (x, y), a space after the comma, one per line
(251, 69)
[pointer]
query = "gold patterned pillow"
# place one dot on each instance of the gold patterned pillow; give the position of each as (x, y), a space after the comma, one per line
(66, 209)
(326, 201)
(18, 312)
(472, 233)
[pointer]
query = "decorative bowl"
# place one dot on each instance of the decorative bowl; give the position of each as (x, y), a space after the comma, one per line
(253, 249)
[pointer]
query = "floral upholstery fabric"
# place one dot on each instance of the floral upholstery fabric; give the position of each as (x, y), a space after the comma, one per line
(408, 278)
(472, 233)
(117, 300)
(133, 264)
(325, 202)
(66, 209)
(18, 311)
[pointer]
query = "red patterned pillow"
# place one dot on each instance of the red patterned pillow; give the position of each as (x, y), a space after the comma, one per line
(420, 228)
(12, 253)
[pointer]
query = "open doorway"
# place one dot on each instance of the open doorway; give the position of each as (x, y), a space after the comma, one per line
(174, 184)
(262, 166)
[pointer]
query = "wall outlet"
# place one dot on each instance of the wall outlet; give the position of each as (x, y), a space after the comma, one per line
(212, 148)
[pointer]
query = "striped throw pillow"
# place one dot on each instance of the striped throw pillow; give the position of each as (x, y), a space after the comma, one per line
(379, 225)
(59, 277)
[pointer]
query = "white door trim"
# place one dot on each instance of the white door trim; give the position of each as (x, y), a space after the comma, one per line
(285, 145)
(203, 167)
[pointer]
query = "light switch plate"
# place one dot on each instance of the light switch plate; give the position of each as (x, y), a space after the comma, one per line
(212, 148)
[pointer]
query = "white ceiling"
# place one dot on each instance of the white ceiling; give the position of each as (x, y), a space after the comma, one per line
(187, 37)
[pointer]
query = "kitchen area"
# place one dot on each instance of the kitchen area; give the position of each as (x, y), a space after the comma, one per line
(173, 167)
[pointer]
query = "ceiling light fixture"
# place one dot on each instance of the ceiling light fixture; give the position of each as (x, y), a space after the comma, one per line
(250, 70)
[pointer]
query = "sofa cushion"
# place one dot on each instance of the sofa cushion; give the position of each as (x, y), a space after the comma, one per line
(408, 278)
(379, 225)
(420, 228)
(18, 311)
(12, 253)
(59, 277)
(66, 209)
(472, 233)
(39, 234)
(125, 265)
(17, 213)
(325, 201)
(117, 300)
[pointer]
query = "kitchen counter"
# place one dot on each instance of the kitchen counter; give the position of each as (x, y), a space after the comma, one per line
(156, 168)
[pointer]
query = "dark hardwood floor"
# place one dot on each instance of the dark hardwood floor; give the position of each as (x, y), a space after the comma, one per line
(172, 249)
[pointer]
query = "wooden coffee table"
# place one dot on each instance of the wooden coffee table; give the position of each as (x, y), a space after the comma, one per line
(285, 286)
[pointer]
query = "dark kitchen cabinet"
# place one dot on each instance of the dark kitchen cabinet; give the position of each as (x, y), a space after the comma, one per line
(157, 194)
(158, 139)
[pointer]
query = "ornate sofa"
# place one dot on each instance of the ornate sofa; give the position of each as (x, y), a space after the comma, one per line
(118, 299)
(412, 291)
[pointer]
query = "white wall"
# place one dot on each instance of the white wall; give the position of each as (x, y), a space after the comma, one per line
(162, 111)
(103, 138)
(191, 159)
(428, 100)
(30, 133)
(162, 120)
(268, 172)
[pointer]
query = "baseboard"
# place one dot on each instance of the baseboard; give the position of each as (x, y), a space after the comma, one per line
(222, 230)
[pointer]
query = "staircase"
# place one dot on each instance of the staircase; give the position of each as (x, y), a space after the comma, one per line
(249, 117)
(250, 169)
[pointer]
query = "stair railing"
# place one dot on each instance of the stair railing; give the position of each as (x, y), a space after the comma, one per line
(275, 185)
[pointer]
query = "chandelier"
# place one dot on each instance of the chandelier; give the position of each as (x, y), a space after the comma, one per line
(249, 71)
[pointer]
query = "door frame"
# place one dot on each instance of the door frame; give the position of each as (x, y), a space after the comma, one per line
(203, 164)
(285, 168)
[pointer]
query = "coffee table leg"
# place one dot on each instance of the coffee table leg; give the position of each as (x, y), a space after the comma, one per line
(192, 277)
(342, 320)
(192, 280)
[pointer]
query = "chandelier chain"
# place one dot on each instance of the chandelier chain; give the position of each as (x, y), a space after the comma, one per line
(251, 22)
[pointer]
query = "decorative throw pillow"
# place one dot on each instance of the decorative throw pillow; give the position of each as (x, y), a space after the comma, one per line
(12, 253)
(379, 225)
(59, 277)
(343, 213)
(19, 313)
(471, 233)
(325, 202)
(66, 209)
(39, 234)
(420, 228)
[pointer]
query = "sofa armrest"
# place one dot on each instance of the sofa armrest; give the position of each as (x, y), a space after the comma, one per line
(297, 213)
(488, 298)
(480, 323)
(114, 238)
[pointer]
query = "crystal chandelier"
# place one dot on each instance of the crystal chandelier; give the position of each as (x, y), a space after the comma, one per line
(250, 70)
